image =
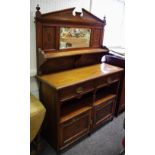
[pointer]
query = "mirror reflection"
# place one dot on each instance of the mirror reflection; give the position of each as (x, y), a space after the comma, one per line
(74, 37)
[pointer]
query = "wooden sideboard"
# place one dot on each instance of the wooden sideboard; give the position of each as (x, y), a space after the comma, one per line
(78, 101)
(78, 91)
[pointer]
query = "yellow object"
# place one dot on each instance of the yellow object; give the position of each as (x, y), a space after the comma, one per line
(37, 114)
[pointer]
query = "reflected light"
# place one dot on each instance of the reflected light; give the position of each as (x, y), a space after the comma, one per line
(105, 69)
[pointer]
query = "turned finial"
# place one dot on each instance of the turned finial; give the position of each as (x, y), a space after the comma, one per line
(37, 7)
(38, 13)
(104, 19)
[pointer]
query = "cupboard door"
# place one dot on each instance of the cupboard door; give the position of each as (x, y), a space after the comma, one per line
(103, 112)
(75, 128)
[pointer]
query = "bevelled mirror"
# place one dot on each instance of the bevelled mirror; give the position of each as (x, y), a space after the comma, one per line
(74, 37)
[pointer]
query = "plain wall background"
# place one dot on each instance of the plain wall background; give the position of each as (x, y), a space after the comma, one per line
(114, 11)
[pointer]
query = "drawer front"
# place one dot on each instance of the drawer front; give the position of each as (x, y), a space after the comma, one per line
(75, 128)
(107, 80)
(76, 90)
(103, 111)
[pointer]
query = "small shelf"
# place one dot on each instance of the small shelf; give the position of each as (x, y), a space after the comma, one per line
(59, 53)
(104, 99)
(74, 113)
(106, 90)
(76, 106)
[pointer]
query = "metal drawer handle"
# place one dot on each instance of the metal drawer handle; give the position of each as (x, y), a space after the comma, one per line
(70, 123)
(79, 90)
(109, 80)
(74, 119)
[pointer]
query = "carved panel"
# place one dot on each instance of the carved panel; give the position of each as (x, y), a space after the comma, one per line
(49, 35)
(96, 38)
(66, 16)
(75, 128)
(102, 113)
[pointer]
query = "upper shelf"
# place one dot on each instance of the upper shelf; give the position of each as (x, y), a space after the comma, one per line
(56, 54)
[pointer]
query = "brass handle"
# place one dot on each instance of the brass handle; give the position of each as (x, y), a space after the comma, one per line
(109, 80)
(79, 90)
(74, 120)
(70, 123)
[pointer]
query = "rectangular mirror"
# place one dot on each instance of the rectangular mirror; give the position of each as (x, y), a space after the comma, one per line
(74, 37)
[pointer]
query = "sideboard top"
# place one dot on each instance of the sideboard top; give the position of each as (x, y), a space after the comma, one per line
(75, 76)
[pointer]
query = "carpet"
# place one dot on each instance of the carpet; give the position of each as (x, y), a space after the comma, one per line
(105, 141)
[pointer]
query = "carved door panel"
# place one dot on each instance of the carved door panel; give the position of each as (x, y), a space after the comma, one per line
(103, 112)
(75, 128)
(49, 35)
(96, 40)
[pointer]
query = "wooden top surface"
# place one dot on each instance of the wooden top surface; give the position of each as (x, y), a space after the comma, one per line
(73, 52)
(70, 77)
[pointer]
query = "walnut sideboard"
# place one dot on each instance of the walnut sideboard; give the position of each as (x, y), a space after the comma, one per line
(78, 101)
(78, 91)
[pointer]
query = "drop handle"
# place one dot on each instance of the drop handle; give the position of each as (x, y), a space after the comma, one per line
(74, 120)
(79, 90)
(109, 80)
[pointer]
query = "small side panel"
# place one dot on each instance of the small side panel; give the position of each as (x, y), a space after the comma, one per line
(96, 39)
(49, 37)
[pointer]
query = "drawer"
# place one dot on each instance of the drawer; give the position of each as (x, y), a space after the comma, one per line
(76, 90)
(103, 81)
(103, 111)
(75, 128)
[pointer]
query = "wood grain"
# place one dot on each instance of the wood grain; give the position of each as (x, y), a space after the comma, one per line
(70, 77)
(56, 54)
(74, 113)
(104, 99)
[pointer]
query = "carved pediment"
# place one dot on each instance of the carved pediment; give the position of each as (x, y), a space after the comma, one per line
(66, 15)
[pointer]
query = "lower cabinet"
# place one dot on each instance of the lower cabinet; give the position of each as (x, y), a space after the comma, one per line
(75, 128)
(77, 110)
(80, 125)
(81, 116)
(103, 110)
